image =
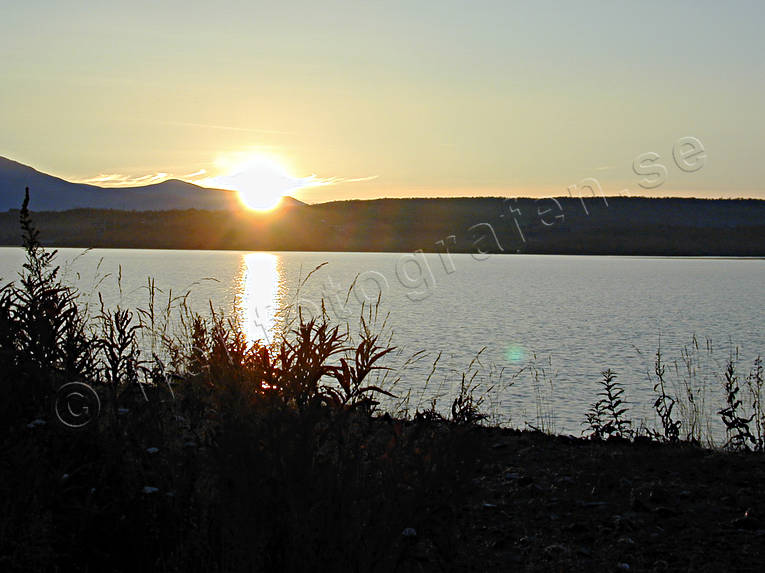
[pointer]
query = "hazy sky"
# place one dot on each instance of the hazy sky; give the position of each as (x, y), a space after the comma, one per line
(414, 98)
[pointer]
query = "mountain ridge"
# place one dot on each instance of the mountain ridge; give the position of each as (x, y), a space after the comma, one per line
(51, 193)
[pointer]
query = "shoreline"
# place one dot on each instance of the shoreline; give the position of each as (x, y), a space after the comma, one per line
(276, 252)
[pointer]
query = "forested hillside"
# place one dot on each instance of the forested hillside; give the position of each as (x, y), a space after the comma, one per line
(616, 225)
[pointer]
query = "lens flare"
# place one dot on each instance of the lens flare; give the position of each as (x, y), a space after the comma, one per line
(515, 353)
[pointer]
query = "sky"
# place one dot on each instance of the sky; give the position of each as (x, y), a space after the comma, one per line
(388, 99)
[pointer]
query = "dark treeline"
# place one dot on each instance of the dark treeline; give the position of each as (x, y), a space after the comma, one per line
(616, 225)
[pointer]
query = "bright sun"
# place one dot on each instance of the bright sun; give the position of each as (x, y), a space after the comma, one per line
(260, 180)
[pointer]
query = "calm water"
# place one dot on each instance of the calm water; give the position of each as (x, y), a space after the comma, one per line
(549, 324)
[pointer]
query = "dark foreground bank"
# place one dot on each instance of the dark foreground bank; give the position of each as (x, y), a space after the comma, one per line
(432, 496)
(543, 503)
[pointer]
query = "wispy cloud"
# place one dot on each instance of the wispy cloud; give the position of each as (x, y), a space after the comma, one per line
(321, 181)
(203, 178)
(195, 174)
(120, 180)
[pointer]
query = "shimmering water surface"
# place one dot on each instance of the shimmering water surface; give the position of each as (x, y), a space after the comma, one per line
(549, 324)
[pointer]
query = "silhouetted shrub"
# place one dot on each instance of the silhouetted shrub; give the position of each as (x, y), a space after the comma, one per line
(736, 422)
(606, 418)
(664, 404)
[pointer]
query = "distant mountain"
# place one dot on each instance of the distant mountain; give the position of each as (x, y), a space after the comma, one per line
(287, 202)
(49, 193)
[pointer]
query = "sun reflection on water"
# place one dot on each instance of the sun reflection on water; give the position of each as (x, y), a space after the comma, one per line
(260, 292)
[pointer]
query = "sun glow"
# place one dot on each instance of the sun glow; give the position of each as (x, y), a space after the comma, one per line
(260, 180)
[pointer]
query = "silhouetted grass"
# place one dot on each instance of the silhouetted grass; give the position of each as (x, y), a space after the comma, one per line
(212, 453)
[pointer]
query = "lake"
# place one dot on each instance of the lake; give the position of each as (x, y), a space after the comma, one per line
(548, 325)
